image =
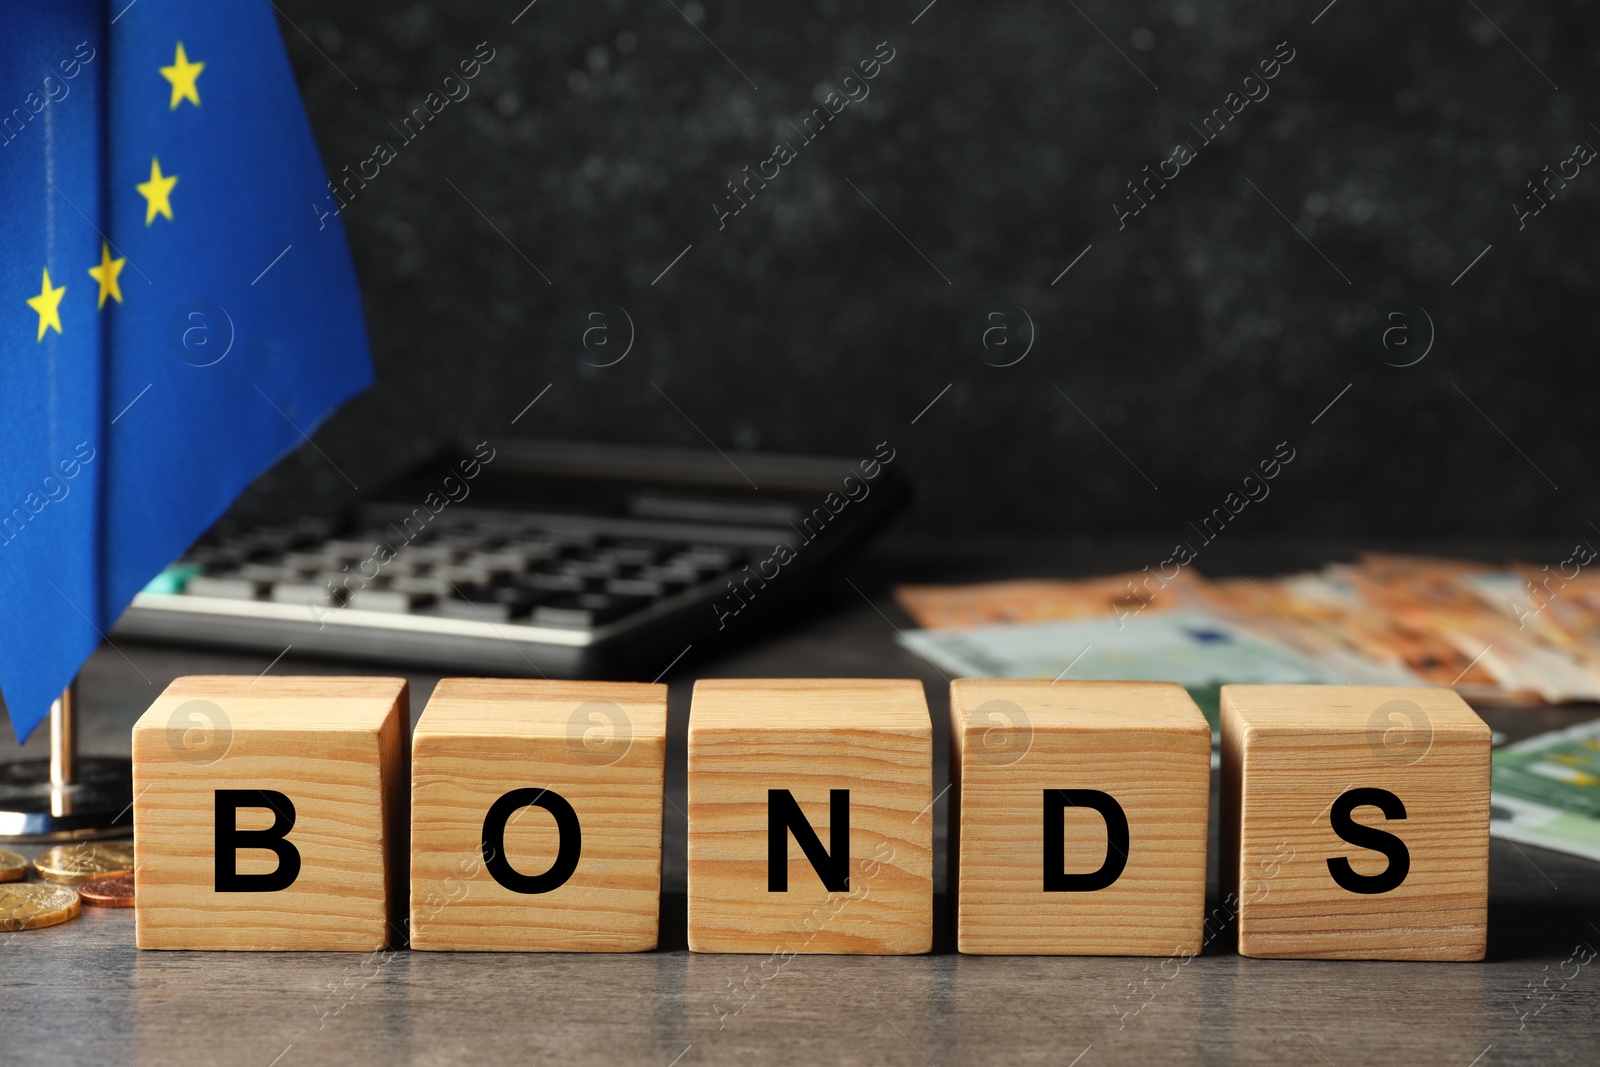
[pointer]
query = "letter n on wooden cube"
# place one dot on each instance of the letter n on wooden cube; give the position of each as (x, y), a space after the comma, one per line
(810, 817)
(536, 816)
(1355, 822)
(1079, 825)
(269, 813)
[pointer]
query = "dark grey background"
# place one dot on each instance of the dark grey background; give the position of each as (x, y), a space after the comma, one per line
(593, 146)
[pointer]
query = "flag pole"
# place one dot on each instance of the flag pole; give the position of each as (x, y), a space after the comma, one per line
(63, 745)
(66, 797)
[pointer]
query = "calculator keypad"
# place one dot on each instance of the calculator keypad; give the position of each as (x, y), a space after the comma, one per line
(566, 578)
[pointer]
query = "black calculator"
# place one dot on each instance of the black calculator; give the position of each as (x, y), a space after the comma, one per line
(531, 558)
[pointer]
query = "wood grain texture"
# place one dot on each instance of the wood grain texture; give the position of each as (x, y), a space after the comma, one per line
(872, 737)
(1145, 744)
(599, 746)
(335, 747)
(1289, 752)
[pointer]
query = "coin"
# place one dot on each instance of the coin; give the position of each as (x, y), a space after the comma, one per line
(29, 905)
(75, 864)
(112, 891)
(13, 866)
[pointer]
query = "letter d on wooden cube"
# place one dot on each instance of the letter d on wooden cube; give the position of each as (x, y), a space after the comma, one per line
(1080, 820)
(269, 813)
(536, 816)
(1355, 822)
(810, 817)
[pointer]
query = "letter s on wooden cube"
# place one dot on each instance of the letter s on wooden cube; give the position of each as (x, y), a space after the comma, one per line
(269, 813)
(810, 816)
(1079, 824)
(1355, 822)
(536, 816)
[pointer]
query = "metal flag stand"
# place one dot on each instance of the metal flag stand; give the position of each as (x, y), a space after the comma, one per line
(66, 797)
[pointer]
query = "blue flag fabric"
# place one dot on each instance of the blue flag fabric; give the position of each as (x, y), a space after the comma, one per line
(175, 312)
(52, 374)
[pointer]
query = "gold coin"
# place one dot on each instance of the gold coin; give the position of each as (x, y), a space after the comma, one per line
(13, 866)
(76, 864)
(29, 905)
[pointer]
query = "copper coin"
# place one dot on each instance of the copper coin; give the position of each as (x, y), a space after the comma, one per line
(114, 891)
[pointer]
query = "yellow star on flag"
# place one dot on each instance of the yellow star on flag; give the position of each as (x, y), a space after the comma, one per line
(106, 274)
(157, 192)
(183, 74)
(48, 305)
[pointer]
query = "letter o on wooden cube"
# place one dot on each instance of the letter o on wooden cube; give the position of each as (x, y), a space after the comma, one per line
(1080, 819)
(269, 813)
(810, 817)
(1355, 822)
(536, 816)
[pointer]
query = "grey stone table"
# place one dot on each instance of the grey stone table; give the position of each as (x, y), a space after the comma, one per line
(81, 993)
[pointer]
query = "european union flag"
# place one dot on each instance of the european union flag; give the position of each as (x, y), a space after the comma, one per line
(175, 313)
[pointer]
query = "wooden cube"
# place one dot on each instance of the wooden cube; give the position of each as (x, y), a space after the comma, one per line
(810, 817)
(1355, 822)
(269, 813)
(536, 816)
(1079, 825)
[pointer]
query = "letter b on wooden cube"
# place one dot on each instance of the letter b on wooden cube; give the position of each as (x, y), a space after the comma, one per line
(1355, 822)
(1080, 821)
(270, 814)
(810, 817)
(536, 816)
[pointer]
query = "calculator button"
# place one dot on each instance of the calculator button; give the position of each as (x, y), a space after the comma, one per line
(466, 574)
(270, 573)
(500, 564)
(304, 592)
(415, 586)
(495, 603)
(674, 578)
(587, 568)
(390, 600)
(582, 611)
(636, 587)
(223, 587)
(557, 583)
